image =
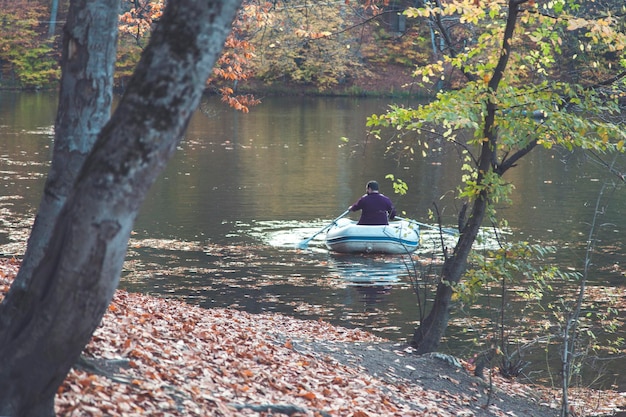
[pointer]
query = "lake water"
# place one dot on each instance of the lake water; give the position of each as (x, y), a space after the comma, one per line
(220, 226)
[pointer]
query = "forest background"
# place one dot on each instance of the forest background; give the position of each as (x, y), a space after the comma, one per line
(328, 48)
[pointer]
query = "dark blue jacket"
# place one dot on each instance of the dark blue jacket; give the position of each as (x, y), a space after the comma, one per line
(376, 209)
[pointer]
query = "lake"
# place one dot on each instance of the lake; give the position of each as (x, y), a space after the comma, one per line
(221, 225)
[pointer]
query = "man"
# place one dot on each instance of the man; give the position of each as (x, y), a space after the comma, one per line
(375, 208)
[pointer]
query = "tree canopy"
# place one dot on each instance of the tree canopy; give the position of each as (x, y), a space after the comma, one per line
(324, 45)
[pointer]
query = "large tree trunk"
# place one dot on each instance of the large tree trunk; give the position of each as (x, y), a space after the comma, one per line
(47, 323)
(85, 98)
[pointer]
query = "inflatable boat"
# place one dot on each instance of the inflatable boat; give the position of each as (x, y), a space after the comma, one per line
(345, 236)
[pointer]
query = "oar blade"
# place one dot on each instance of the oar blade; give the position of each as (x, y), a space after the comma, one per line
(446, 230)
(305, 243)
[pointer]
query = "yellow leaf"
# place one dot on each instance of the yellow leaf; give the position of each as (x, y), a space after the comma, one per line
(578, 23)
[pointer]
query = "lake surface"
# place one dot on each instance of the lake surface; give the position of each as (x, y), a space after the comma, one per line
(221, 225)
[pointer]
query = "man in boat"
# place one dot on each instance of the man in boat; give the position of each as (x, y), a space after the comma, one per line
(376, 208)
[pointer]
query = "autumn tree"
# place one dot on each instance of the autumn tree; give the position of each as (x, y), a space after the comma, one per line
(102, 169)
(27, 58)
(233, 65)
(504, 55)
(317, 44)
(311, 44)
(136, 22)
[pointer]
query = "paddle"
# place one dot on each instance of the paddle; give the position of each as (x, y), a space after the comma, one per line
(305, 242)
(443, 229)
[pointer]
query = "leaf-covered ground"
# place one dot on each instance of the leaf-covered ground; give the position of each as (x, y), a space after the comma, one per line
(165, 358)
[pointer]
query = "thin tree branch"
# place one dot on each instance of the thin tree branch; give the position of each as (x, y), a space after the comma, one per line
(618, 174)
(510, 162)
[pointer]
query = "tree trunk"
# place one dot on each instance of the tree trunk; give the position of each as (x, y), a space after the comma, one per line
(54, 9)
(85, 98)
(427, 336)
(47, 323)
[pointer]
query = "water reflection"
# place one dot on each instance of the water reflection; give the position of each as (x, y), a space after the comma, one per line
(373, 277)
(367, 270)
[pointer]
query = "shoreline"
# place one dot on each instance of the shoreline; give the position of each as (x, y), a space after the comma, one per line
(153, 356)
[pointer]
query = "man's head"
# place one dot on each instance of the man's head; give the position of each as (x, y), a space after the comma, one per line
(372, 186)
